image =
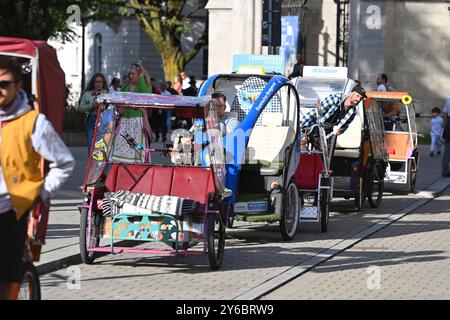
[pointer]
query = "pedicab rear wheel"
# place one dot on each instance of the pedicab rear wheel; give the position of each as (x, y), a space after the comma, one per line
(30, 286)
(289, 212)
(216, 241)
(86, 256)
(375, 185)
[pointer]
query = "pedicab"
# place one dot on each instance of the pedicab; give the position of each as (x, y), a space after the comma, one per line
(357, 158)
(136, 190)
(263, 151)
(360, 160)
(44, 82)
(313, 176)
(401, 140)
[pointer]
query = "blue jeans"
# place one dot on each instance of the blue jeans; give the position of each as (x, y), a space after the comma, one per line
(435, 143)
(90, 128)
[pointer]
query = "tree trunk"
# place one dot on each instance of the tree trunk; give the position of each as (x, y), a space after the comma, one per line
(173, 64)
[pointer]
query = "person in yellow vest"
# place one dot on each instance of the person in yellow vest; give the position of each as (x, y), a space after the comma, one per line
(26, 136)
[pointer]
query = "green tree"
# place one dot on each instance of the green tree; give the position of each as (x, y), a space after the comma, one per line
(43, 19)
(164, 22)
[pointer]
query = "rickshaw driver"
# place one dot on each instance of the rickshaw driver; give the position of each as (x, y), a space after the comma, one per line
(25, 136)
(337, 110)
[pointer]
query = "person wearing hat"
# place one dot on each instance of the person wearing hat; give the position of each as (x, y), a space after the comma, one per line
(337, 109)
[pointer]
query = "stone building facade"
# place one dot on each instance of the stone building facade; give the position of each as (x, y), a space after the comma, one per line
(406, 39)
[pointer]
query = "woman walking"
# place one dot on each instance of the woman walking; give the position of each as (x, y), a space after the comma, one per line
(96, 86)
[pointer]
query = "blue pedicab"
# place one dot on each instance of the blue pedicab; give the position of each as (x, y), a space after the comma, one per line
(263, 152)
(136, 190)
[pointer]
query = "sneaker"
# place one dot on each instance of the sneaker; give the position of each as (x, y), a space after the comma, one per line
(439, 152)
(446, 175)
(431, 154)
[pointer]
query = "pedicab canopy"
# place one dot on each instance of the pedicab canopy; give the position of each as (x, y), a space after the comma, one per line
(49, 85)
(149, 100)
(390, 96)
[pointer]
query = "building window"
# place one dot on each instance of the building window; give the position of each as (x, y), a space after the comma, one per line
(98, 53)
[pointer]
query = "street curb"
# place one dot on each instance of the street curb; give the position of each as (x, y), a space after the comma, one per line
(433, 191)
(60, 263)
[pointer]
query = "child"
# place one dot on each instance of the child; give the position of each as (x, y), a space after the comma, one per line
(436, 127)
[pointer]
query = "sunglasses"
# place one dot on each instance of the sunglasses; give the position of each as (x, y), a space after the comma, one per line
(4, 84)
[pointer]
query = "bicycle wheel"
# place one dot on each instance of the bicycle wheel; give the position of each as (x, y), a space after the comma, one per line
(375, 185)
(30, 286)
(216, 241)
(86, 256)
(289, 212)
(324, 209)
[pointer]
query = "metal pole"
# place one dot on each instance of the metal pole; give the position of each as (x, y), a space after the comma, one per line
(338, 34)
(270, 47)
(83, 80)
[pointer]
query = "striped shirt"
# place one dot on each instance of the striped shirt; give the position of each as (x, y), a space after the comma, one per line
(330, 105)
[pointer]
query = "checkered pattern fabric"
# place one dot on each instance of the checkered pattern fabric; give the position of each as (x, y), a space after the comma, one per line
(330, 105)
(247, 94)
(127, 202)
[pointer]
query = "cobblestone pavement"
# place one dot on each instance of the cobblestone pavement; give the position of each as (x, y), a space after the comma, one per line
(407, 260)
(254, 254)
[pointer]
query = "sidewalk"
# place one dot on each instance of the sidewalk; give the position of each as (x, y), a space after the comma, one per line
(61, 246)
(407, 260)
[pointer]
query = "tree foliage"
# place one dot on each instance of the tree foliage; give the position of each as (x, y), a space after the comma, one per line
(165, 22)
(43, 19)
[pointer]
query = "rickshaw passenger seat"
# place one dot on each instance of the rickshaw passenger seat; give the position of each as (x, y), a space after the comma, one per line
(268, 144)
(272, 119)
(400, 142)
(348, 144)
(190, 183)
(307, 173)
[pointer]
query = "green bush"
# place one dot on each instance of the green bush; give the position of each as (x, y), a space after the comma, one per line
(424, 139)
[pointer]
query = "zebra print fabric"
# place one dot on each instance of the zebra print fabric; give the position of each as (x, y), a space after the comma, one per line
(134, 203)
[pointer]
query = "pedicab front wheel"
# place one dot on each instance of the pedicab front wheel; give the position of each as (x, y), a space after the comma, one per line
(216, 241)
(289, 212)
(86, 256)
(30, 286)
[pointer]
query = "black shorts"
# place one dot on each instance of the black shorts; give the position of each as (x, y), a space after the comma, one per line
(12, 244)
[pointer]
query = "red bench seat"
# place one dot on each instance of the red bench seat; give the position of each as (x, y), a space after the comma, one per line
(307, 174)
(190, 183)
